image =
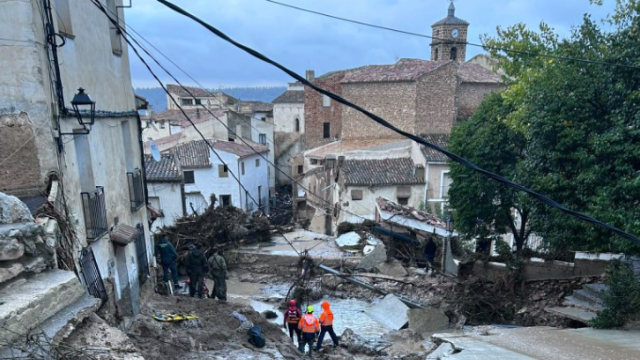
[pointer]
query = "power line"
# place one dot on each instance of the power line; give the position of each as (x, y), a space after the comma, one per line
(464, 162)
(225, 125)
(519, 52)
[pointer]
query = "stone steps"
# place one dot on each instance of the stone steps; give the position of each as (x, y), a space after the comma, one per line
(573, 301)
(26, 305)
(588, 297)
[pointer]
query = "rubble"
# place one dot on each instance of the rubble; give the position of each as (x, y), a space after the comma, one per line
(410, 212)
(391, 312)
(427, 321)
(13, 211)
(349, 241)
(392, 268)
(377, 256)
(357, 344)
(443, 351)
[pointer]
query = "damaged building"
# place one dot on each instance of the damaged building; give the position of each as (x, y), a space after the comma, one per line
(75, 156)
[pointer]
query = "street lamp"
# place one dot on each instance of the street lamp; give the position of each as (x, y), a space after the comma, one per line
(82, 103)
(449, 223)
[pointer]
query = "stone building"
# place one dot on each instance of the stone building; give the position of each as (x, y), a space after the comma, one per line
(192, 97)
(418, 96)
(288, 116)
(90, 159)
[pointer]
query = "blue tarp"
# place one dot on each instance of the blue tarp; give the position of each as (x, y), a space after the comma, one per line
(396, 235)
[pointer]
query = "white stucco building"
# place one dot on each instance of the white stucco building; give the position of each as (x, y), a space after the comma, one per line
(166, 190)
(99, 165)
(206, 174)
(288, 117)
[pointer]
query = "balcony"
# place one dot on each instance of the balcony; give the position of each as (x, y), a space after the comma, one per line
(95, 213)
(136, 189)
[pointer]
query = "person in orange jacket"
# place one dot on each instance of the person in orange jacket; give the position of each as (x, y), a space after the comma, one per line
(326, 325)
(310, 326)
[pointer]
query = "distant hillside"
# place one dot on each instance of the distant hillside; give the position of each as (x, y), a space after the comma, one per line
(158, 99)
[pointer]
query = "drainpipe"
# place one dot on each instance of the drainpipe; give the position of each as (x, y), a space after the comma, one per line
(142, 167)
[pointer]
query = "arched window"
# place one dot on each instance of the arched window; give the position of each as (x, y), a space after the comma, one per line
(454, 53)
(297, 125)
(435, 56)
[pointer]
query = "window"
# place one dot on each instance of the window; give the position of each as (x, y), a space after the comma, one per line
(269, 173)
(189, 177)
(314, 161)
(257, 162)
(297, 125)
(435, 57)
(403, 200)
(186, 101)
(263, 139)
(445, 183)
(63, 16)
(356, 195)
(242, 167)
(300, 169)
(225, 200)
(263, 118)
(454, 53)
(223, 172)
(198, 102)
(326, 101)
(326, 130)
(161, 125)
(125, 128)
(116, 42)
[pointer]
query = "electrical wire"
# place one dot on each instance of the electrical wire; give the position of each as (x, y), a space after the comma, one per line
(115, 23)
(454, 157)
(519, 52)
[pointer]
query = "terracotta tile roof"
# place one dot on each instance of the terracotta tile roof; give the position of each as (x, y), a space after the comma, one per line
(403, 70)
(167, 169)
(410, 212)
(343, 146)
(380, 172)
(197, 116)
(476, 73)
(290, 97)
(432, 155)
(451, 20)
(255, 106)
(197, 92)
(196, 154)
(124, 234)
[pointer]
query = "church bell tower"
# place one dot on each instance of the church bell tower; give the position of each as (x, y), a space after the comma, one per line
(449, 37)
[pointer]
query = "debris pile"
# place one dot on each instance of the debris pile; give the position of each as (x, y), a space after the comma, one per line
(410, 212)
(218, 227)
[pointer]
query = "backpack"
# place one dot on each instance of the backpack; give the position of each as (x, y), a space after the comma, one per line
(255, 337)
(292, 316)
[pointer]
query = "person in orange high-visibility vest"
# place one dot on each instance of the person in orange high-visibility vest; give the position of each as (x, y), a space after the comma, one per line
(310, 326)
(326, 325)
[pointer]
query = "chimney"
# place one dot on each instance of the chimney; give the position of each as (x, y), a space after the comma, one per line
(311, 75)
(198, 113)
(419, 172)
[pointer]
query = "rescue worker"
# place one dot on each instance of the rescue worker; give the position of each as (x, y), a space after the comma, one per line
(291, 320)
(196, 264)
(168, 257)
(219, 274)
(430, 249)
(326, 325)
(310, 326)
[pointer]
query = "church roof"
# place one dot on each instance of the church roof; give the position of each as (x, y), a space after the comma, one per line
(451, 18)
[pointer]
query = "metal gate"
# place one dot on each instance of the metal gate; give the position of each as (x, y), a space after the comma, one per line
(143, 260)
(91, 275)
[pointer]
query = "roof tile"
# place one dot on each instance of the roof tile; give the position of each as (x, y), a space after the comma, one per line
(290, 97)
(399, 171)
(432, 155)
(167, 169)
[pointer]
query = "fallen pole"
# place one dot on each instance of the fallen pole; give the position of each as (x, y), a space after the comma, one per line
(409, 302)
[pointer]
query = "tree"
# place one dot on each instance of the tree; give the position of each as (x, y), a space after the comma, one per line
(483, 207)
(581, 122)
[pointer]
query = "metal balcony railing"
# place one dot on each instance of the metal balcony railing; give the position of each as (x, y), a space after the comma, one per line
(95, 213)
(143, 260)
(136, 189)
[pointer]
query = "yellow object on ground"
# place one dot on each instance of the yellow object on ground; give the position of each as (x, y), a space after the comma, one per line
(174, 317)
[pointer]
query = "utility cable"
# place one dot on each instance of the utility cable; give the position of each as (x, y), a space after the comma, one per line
(456, 158)
(519, 52)
(115, 23)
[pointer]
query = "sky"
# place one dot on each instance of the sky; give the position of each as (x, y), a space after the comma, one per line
(303, 41)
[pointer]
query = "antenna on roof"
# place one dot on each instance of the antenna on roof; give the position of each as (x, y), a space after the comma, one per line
(155, 152)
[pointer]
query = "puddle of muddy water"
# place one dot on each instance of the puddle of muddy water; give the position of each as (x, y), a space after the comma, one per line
(349, 313)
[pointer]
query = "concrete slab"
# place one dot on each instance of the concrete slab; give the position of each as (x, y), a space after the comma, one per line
(427, 321)
(390, 312)
(349, 240)
(28, 303)
(318, 245)
(377, 256)
(546, 343)
(574, 313)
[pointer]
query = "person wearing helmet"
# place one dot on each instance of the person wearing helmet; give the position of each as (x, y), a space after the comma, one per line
(310, 326)
(292, 318)
(326, 325)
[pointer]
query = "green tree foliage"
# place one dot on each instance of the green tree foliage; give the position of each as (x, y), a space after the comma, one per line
(576, 128)
(621, 300)
(483, 207)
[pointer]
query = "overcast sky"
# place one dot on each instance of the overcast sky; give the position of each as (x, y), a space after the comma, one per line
(305, 41)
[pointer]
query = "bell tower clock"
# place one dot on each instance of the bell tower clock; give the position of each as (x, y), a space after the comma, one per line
(449, 37)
